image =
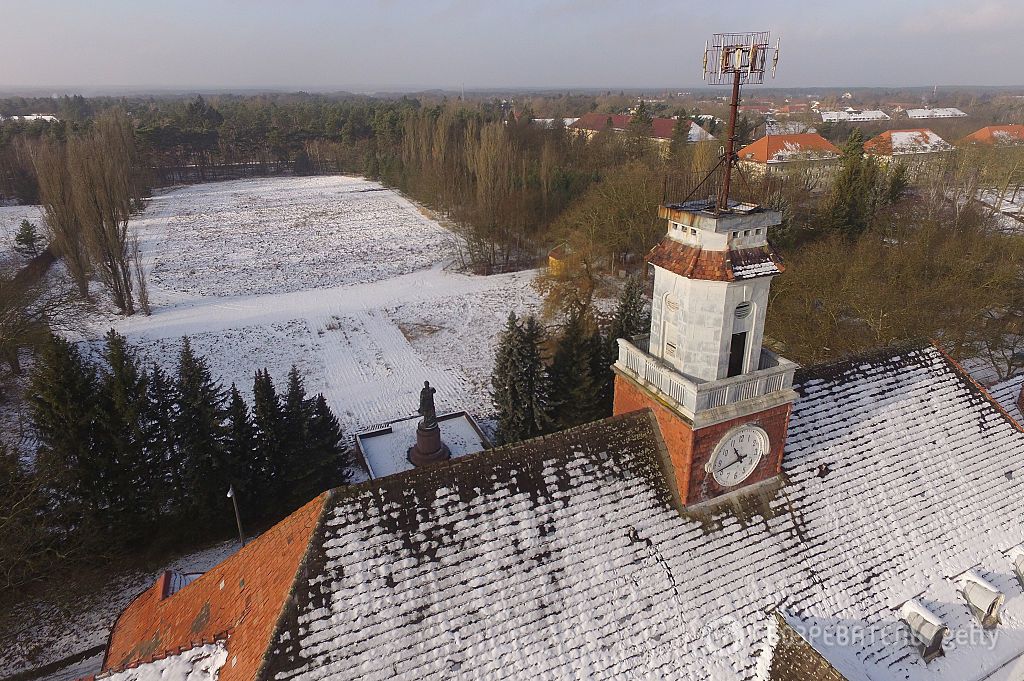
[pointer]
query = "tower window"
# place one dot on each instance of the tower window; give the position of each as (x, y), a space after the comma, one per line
(757, 231)
(743, 310)
(746, 232)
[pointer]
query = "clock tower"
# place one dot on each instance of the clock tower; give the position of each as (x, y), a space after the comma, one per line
(722, 400)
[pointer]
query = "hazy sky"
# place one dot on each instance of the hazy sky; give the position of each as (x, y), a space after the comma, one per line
(333, 44)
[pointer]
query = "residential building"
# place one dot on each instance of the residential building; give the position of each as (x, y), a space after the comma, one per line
(996, 135)
(807, 151)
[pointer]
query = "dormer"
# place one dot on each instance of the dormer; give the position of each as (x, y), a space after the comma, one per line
(926, 628)
(984, 599)
(1016, 556)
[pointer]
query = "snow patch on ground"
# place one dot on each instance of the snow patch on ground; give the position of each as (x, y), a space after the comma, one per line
(10, 222)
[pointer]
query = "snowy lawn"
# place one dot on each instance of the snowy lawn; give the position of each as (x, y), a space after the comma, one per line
(338, 275)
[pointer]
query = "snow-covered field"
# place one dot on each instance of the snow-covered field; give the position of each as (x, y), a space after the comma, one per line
(344, 278)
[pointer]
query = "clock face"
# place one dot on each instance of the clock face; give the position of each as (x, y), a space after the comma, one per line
(737, 455)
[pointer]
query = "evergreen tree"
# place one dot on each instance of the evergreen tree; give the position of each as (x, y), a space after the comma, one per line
(268, 422)
(244, 469)
(28, 241)
(328, 456)
(200, 436)
(160, 423)
(121, 429)
(520, 388)
(296, 413)
(852, 198)
(639, 130)
(632, 318)
(62, 398)
(575, 389)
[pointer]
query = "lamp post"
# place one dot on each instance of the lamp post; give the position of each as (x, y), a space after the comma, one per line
(238, 517)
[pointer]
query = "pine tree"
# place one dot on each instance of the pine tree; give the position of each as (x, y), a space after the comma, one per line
(160, 423)
(27, 241)
(853, 196)
(244, 469)
(328, 456)
(575, 390)
(519, 383)
(632, 318)
(200, 436)
(121, 412)
(62, 397)
(268, 422)
(296, 412)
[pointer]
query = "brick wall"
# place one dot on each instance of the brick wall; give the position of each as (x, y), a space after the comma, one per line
(677, 433)
(243, 595)
(690, 451)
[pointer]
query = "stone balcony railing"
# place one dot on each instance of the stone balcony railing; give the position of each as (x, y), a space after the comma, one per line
(695, 395)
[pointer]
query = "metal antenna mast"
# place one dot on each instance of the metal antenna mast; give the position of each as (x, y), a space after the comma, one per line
(741, 58)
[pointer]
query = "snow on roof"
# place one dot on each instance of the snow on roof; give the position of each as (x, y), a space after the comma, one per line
(853, 115)
(997, 134)
(948, 112)
(1007, 393)
(783, 148)
(385, 450)
(898, 142)
(564, 556)
(201, 663)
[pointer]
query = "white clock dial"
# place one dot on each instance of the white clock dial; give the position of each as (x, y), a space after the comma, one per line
(737, 455)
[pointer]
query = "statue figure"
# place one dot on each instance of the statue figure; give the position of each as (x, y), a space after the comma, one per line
(426, 409)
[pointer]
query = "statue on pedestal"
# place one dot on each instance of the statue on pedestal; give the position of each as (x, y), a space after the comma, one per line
(428, 448)
(427, 410)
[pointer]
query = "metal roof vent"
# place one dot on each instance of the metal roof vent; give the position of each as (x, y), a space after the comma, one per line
(1016, 556)
(928, 631)
(743, 310)
(984, 599)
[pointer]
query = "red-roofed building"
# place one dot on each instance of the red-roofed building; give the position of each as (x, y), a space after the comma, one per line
(997, 135)
(774, 153)
(904, 144)
(661, 128)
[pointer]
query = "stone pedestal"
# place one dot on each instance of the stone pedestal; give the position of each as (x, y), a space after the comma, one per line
(428, 448)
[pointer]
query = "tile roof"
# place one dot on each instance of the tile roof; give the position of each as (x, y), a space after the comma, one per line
(794, 147)
(564, 557)
(243, 595)
(897, 142)
(697, 263)
(1009, 395)
(997, 135)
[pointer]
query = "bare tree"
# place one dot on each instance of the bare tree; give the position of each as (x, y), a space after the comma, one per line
(61, 217)
(142, 290)
(102, 167)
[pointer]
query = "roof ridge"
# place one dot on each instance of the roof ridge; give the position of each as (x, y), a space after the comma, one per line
(300, 570)
(469, 461)
(964, 374)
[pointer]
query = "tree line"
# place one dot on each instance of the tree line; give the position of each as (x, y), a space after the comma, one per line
(128, 455)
